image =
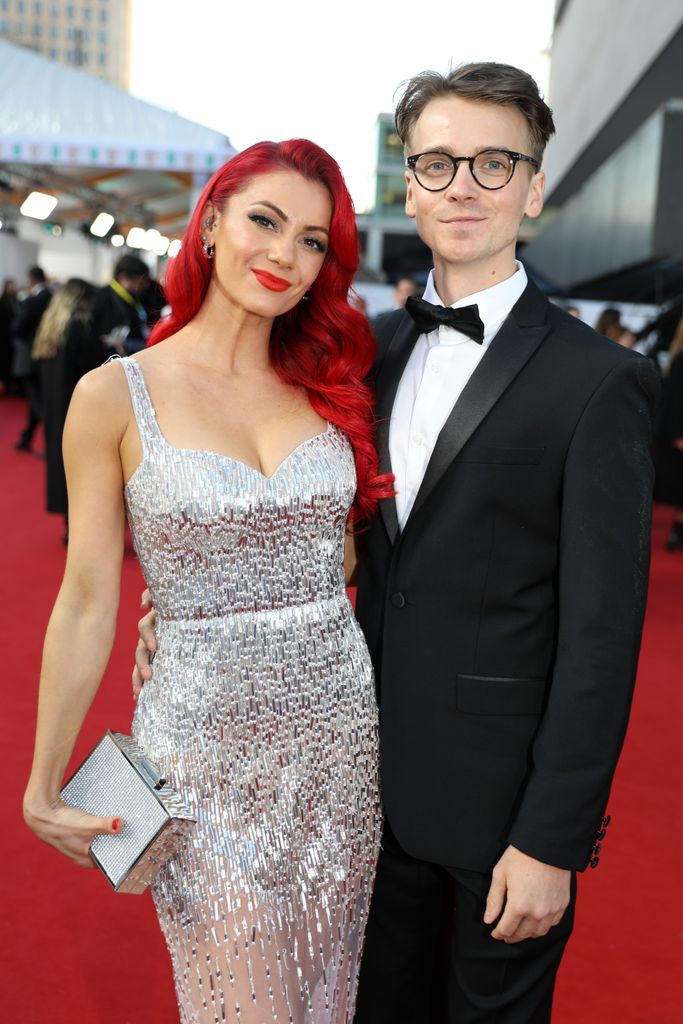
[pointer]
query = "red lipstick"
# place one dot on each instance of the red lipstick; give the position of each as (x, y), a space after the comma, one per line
(270, 281)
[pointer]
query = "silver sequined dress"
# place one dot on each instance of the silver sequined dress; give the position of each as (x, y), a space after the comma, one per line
(262, 713)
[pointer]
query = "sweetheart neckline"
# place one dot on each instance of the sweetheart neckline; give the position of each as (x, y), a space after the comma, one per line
(230, 458)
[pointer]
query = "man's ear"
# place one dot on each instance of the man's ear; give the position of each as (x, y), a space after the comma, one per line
(410, 201)
(534, 203)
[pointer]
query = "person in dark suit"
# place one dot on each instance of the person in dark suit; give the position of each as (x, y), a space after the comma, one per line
(119, 317)
(502, 592)
(31, 310)
(9, 306)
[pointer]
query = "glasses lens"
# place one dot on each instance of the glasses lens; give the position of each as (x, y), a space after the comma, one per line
(434, 170)
(493, 169)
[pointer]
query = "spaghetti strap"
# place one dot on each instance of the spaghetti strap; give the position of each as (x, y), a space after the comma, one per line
(143, 410)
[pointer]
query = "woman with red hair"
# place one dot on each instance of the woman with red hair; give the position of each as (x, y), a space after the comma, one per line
(239, 449)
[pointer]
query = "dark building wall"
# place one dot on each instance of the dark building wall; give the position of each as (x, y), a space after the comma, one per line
(668, 227)
(658, 84)
(610, 222)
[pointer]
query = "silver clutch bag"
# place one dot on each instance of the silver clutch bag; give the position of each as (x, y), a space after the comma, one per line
(117, 779)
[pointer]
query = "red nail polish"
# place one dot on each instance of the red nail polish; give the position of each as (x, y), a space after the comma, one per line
(117, 824)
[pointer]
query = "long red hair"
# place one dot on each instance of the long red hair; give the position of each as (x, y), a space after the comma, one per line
(323, 344)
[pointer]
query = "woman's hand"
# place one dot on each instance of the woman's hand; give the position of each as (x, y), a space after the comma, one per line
(147, 645)
(67, 829)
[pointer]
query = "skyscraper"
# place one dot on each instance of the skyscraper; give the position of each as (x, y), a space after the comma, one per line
(93, 35)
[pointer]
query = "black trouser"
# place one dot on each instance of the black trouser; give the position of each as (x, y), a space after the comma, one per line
(33, 392)
(430, 959)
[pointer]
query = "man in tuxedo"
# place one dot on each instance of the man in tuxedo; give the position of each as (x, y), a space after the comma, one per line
(502, 591)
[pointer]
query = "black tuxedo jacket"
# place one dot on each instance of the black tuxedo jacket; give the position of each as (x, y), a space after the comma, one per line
(30, 314)
(112, 311)
(504, 621)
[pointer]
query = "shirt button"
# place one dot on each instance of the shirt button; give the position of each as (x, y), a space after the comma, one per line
(418, 440)
(398, 600)
(434, 368)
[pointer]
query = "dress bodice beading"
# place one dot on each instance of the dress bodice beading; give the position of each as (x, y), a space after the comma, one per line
(216, 537)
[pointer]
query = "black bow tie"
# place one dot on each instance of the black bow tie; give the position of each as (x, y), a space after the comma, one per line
(428, 317)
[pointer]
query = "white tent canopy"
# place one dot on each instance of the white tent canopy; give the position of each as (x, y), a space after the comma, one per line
(63, 116)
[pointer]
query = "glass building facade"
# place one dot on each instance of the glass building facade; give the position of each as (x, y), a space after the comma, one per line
(94, 35)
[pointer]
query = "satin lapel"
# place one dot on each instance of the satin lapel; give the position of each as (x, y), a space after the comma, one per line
(393, 365)
(513, 346)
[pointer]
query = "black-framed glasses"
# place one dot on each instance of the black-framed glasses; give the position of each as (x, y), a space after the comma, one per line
(492, 168)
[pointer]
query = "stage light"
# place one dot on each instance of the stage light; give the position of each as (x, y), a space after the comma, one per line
(117, 240)
(101, 225)
(161, 246)
(152, 236)
(53, 229)
(137, 238)
(38, 205)
(174, 248)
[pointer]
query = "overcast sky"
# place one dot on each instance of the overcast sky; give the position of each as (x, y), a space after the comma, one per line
(257, 69)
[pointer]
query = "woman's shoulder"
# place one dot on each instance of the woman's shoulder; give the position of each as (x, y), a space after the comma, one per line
(103, 393)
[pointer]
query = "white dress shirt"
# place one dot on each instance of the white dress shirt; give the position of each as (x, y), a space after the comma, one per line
(435, 375)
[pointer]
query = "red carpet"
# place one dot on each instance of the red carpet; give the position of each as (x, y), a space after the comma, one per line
(73, 951)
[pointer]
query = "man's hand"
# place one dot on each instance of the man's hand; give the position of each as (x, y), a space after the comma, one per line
(147, 645)
(535, 896)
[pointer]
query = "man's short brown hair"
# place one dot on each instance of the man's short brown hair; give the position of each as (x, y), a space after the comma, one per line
(502, 84)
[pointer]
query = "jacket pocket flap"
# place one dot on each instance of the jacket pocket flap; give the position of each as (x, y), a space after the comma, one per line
(496, 695)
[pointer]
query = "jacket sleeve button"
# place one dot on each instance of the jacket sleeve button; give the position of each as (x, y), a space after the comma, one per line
(398, 600)
(594, 862)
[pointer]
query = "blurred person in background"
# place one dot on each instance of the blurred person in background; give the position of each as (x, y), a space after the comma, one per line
(669, 454)
(663, 328)
(64, 349)
(31, 310)
(405, 287)
(610, 325)
(9, 307)
(120, 316)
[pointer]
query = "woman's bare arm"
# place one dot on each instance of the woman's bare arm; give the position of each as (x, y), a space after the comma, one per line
(81, 629)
